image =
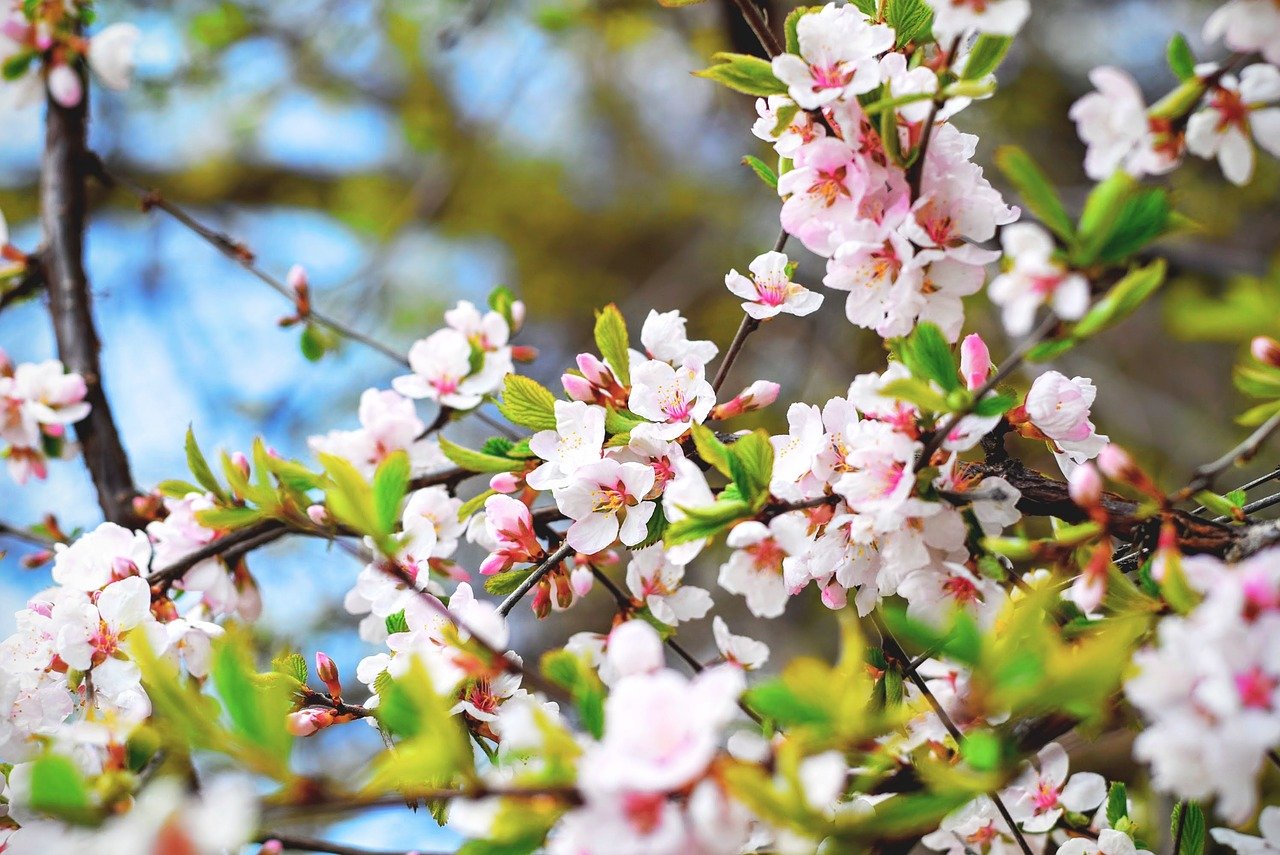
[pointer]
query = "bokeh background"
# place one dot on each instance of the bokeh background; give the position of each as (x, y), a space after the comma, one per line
(412, 154)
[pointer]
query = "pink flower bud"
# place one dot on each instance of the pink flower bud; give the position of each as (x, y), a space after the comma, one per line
(6, 364)
(43, 36)
(65, 86)
(1084, 485)
(241, 462)
(542, 600)
(327, 671)
(37, 559)
(1266, 350)
(16, 30)
(1116, 463)
(318, 514)
(582, 581)
(758, 395)
(271, 847)
(517, 315)
(505, 482)
(524, 352)
(495, 563)
(975, 361)
(122, 568)
(563, 591)
(308, 721)
(595, 371)
(834, 597)
(297, 279)
(55, 431)
(578, 388)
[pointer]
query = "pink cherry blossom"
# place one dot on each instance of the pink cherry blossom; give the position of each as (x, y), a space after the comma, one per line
(770, 291)
(1059, 408)
(606, 500)
(1239, 112)
(1035, 279)
(838, 50)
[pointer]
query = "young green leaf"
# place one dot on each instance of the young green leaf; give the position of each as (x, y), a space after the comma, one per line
(390, 483)
(1182, 61)
(912, 20)
(927, 354)
(986, 55)
(1190, 817)
(711, 449)
(292, 665)
(528, 403)
(762, 170)
(199, 466)
(613, 342)
(1122, 300)
(58, 789)
(501, 584)
(751, 465)
(1036, 191)
(478, 461)
(743, 73)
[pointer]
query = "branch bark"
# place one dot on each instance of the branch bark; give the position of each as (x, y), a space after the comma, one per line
(62, 216)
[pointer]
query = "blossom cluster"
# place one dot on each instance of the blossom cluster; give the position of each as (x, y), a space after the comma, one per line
(38, 401)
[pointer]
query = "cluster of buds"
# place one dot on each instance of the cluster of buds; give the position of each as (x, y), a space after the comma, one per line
(596, 384)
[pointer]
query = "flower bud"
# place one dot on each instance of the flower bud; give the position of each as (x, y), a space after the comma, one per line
(308, 721)
(524, 352)
(578, 388)
(1266, 350)
(271, 847)
(297, 280)
(834, 597)
(563, 591)
(327, 671)
(505, 482)
(241, 462)
(595, 371)
(122, 568)
(975, 361)
(582, 581)
(37, 559)
(517, 315)
(318, 514)
(1116, 463)
(65, 86)
(758, 395)
(542, 599)
(1084, 485)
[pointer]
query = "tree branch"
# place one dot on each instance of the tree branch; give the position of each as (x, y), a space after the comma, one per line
(62, 215)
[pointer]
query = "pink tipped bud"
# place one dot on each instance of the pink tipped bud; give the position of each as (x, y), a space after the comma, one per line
(563, 591)
(37, 559)
(1084, 485)
(241, 462)
(595, 371)
(517, 315)
(271, 847)
(834, 597)
(975, 361)
(318, 514)
(65, 85)
(1116, 463)
(542, 599)
(582, 581)
(16, 29)
(43, 36)
(758, 395)
(524, 352)
(327, 671)
(55, 431)
(6, 364)
(308, 721)
(1266, 349)
(505, 482)
(494, 564)
(122, 568)
(578, 388)
(297, 279)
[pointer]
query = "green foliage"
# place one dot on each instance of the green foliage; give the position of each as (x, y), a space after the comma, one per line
(502, 300)
(750, 461)
(743, 73)
(1120, 217)
(575, 674)
(1245, 308)
(199, 467)
(390, 483)
(762, 170)
(1182, 62)
(793, 21)
(316, 341)
(291, 665)
(915, 391)
(613, 342)
(478, 461)
(1124, 298)
(928, 356)
(352, 501)
(256, 707)
(1190, 817)
(911, 19)
(59, 790)
(396, 623)
(711, 450)
(986, 55)
(502, 584)
(1036, 191)
(435, 750)
(527, 403)
(1117, 803)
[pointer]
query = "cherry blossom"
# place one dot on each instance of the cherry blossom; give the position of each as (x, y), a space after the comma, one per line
(1041, 793)
(441, 365)
(754, 570)
(953, 18)
(1269, 842)
(823, 193)
(770, 291)
(672, 399)
(1247, 26)
(577, 441)
(1035, 279)
(1058, 408)
(388, 424)
(663, 337)
(786, 139)
(975, 827)
(1239, 111)
(656, 581)
(749, 653)
(838, 46)
(607, 502)
(108, 553)
(510, 529)
(111, 55)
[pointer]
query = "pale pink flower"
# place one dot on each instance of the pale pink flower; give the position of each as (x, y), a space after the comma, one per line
(1035, 278)
(606, 500)
(770, 291)
(111, 55)
(1247, 26)
(999, 17)
(577, 441)
(1042, 792)
(838, 50)
(656, 581)
(672, 399)
(740, 650)
(510, 526)
(1059, 408)
(1239, 112)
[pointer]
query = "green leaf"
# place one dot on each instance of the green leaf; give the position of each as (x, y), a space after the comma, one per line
(711, 449)
(390, 483)
(1255, 416)
(501, 584)
(994, 405)
(986, 55)
(1046, 350)
(177, 489)
(572, 672)
(1220, 505)
(58, 789)
(1142, 218)
(349, 497)
(743, 73)
(620, 421)
(502, 300)
(478, 461)
(1257, 380)
(257, 709)
(497, 446)
(917, 392)
(1182, 61)
(396, 623)
(1038, 194)
(1191, 818)
(911, 19)
(700, 523)
(926, 353)
(528, 403)
(793, 21)
(199, 467)
(751, 466)
(311, 344)
(982, 750)
(762, 170)
(228, 518)
(1117, 803)
(656, 529)
(17, 65)
(613, 342)
(291, 665)
(474, 504)
(1122, 300)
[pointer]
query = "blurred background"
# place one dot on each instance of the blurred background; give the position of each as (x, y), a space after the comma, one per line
(413, 154)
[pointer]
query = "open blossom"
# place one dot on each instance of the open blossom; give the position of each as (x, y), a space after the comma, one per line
(663, 337)
(1238, 113)
(441, 366)
(999, 17)
(90, 634)
(1041, 793)
(770, 291)
(754, 570)
(389, 424)
(738, 649)
(838, 50)
(672, 399)
(975, 827)
(577, 440)
(1247, 26)
(1059, 408)
(1034, 279)
(786, 140)
(1246, 844)
(111, 55)
(823, 193)
(1113, 123)
(655, 580)
(510, 527)
(96, 559)
(606, 500)
(37, 403)
(933, 593)
(1109, 842)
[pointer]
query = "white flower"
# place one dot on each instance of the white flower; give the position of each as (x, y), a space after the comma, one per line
(999, 17)
(663, 337)
(441, 366)
(1035, 279)
(770, 291)
(1110, 842)
(111, 55)
(90, 634)
(674, 399)
(1237, 111)
(754, 570)
(1112, 122)
(1267, 844)
(655, 581)
(738, 649)
(1247, 26)
(97, 558)
(577, 440)
(1040, 795)
(389, 423)
(1059, 408)
(801, 129)
(606, 500)
(838, 50)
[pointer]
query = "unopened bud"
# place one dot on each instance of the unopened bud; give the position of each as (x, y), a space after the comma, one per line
(308, 721)
(148, 506)
(54, 431)
(297, 280)
(122, 568)
(318, 514)
(563, 591)
(37, 559)
(582, 580)
(975, 361)
(271, 847)
(524, 352)
(327, 671)
(241, 462)
(1116, 463)
(594, 370)
(834, 597)
(578, 388)
(542, 599)
(1266, 350)
(517, 315)
(1084, 485)
(758, 395)
(505, 482)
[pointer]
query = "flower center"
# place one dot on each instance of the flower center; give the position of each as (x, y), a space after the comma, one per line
(1255, 688)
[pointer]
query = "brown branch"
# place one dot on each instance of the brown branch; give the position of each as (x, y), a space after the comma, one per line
(298, 843)
(752, 14)
(63, 215)
(30, 281)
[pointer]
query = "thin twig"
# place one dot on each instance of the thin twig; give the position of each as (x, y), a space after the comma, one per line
(1178, 829)
(1204, 476)
(298, 843)
(1246, 487)
(534, 577)
(237, 252)
(915, 172)
(759, 26)
(748, 325)
(28, 537)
